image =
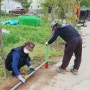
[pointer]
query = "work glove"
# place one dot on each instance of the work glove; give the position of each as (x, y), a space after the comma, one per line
(21, 79)
(31, 68)
(46, 43)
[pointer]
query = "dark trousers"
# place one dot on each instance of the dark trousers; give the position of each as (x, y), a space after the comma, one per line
(72, 46)
(20, 64)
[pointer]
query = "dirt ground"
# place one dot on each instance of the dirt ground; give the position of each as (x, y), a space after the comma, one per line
(69, 81)
(43, 75)
(49, 79)
(39, 78)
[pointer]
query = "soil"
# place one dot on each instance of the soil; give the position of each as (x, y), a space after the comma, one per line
(42, 76)
(37, 80)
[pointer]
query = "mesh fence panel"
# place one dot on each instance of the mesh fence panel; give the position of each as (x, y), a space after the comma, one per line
(29, 20)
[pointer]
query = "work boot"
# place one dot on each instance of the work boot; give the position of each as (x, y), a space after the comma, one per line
(60, 70)
(74, 71)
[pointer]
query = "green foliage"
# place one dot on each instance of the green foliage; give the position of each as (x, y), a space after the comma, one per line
(23, 32)
(3, 13)
(85, 3)
(61, 9)
(1, 71)
(0, 1)
(47, 5)
(25, 3)
(9, 39)
(19, 34)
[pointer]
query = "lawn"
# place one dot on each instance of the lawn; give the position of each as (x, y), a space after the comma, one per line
(38, 34)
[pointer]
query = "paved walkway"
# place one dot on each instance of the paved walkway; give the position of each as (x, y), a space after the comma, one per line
(69, 81)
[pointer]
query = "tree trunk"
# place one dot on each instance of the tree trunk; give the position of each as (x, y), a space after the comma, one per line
(1, 46)
(52, 15)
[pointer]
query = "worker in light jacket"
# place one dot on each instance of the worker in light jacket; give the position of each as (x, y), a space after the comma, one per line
(18, 57)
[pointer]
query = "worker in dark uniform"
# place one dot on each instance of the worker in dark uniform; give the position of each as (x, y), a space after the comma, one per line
(18, 57)
(73, 45)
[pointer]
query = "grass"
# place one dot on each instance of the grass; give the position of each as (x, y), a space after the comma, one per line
(21, 33)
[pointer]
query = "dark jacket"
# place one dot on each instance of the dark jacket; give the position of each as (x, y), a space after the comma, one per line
(65, 32)
(17, 58)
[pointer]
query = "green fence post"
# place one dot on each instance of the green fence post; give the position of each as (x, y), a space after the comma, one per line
(46, 56)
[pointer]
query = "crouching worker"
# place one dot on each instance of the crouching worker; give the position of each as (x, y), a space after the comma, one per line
(18, 57)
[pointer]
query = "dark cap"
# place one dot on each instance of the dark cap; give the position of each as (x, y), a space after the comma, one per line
(29, 45)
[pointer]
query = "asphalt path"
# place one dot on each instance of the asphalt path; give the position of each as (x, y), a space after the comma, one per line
(69, 81)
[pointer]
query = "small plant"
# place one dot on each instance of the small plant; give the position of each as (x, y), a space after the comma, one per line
(10, 39)
(39, 35)
(1, 71)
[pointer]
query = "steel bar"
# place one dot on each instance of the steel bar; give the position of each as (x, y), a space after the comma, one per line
(18, 84)
(46, 56)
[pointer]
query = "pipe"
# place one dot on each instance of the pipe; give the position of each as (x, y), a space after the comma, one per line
(46, 57)
(18, 84)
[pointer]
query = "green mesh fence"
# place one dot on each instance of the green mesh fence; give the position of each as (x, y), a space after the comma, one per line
(29, 20)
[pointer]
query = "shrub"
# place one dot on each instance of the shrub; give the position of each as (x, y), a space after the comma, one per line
(10, 39)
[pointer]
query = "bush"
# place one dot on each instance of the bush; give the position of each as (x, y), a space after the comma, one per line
(10, 39)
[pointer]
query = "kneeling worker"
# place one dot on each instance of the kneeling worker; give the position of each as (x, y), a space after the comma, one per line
(18, 57)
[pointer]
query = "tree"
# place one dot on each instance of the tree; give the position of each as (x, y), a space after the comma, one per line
(25, 3)
(84, 3)
(1, 46)
(62, 9)
(48, 7)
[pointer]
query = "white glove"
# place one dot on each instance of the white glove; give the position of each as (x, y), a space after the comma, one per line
(21, 79)
(31, 66)
(46, 43)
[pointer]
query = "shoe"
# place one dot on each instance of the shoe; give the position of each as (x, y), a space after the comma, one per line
(74, 71)
(60, 70)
